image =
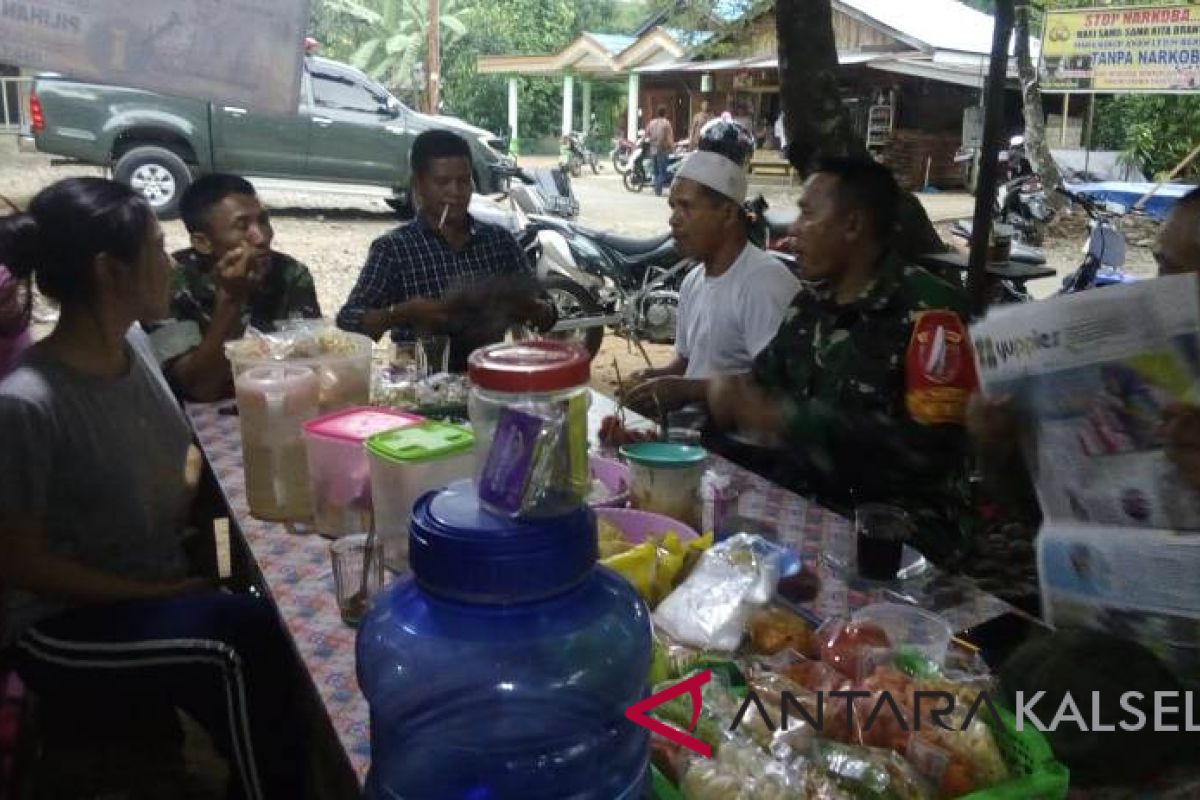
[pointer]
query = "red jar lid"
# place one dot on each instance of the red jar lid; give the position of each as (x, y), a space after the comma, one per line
(534, 366)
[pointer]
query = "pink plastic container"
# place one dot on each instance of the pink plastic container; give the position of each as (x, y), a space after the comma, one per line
(338, 468)
(637, 526)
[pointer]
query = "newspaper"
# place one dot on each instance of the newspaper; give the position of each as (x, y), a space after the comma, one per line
(1144, 587)
(1094, 374)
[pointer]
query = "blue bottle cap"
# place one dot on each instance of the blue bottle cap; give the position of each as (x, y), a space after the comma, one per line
(461, 552)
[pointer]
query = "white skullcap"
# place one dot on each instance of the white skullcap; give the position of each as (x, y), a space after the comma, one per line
(717, 173)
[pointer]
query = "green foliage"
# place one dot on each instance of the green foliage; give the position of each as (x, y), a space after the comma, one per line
(387, 39)
(509, 27)
(1155, 132)
(610, 16)
(338, 34)
(394, 43)
(727, 20)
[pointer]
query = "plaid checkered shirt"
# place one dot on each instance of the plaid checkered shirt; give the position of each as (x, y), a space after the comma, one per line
(414, 262)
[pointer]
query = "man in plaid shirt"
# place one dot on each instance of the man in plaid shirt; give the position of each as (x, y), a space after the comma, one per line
(446, 272)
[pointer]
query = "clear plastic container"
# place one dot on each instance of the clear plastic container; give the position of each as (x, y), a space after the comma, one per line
(273, 404)
(909, 627)
(503, 666)
(666, 478)
(404, 465)
(338, 469)
(544, 380)
(341, 361)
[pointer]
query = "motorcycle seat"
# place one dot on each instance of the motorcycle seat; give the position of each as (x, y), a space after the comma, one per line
(780, 220)
(625, 245)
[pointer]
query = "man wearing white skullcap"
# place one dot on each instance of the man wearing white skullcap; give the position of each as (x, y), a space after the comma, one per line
(731, 305)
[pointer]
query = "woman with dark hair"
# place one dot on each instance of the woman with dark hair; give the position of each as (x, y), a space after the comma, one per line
(15, 307)
(14, 319)
(96, 479)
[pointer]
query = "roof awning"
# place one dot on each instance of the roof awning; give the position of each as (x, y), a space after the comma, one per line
(848, 58)
(957, 74)
(589, 55)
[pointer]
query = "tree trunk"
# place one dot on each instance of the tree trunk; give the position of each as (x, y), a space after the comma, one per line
(816, 121)
(820, 126)
(1036, 145)
(433, 68)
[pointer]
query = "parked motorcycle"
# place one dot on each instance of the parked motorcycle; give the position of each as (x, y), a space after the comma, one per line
(1104, 254)
(576, 154)
(771, 228)
(599, 279)
(1011, 163)
(1020, 204)
(641, 173)
(622, 150)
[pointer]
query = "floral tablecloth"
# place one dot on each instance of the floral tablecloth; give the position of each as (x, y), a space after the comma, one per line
(812, 530)
(296, 568)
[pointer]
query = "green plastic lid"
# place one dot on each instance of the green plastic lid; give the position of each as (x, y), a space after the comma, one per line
(425, 442)
(665, 455)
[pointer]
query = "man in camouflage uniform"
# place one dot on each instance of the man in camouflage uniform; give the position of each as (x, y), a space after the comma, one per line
(866, 383)
(229, 279)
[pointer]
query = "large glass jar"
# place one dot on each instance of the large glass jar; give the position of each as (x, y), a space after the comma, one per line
(547, 382)
(502, 667)
(273, 404)
(340, 360)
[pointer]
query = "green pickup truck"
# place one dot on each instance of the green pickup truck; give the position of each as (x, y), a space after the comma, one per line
(348, 135)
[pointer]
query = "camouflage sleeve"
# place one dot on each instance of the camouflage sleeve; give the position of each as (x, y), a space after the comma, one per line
(301, 301)
(893, 434)
(180, 307)
(182, 331)
(915, 449)
(770, 365)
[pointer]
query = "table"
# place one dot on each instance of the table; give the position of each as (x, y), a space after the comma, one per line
(1009, 270)
(295, 568)
(298, 576)
(810, 529)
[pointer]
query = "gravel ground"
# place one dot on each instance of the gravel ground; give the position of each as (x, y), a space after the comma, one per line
(332, 233)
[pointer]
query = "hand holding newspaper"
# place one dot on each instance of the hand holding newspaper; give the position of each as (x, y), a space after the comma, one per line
(1096, 376)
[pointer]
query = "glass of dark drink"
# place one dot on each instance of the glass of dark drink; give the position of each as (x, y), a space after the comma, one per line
(881, 532)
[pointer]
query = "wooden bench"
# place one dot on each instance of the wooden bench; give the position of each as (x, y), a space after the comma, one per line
(771, 163)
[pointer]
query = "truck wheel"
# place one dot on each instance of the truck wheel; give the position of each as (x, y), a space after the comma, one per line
(573, 301)
(157, 174)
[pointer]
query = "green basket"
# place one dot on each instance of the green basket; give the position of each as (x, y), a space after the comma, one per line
(1037, 775)
(661, 788)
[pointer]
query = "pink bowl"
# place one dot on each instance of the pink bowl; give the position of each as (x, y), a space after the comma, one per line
(615, 477)
(637, 526)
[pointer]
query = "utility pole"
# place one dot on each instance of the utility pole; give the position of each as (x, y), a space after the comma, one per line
(433, 66)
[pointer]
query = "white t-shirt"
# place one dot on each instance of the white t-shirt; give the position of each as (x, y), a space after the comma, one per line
(725, 322)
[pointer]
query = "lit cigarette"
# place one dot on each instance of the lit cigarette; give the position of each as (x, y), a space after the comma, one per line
(442, 221)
